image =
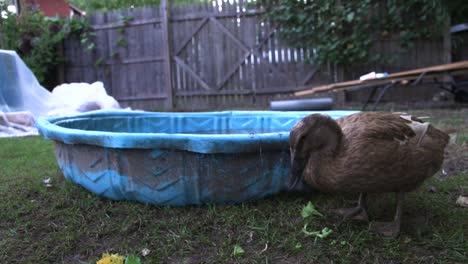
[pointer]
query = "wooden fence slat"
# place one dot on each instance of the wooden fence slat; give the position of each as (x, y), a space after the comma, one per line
(233, 70)
(167, 52)
(192, 73)
(190, 35)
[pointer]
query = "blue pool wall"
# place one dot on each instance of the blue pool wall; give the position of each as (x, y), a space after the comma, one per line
(154, 158)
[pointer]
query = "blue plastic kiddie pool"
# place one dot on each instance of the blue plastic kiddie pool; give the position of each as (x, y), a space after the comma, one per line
(176, 158)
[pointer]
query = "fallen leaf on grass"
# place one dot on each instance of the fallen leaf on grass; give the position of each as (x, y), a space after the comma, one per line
(298, 246)
(132, 259)
(407, 240)
(250, 237)
(462, 201)
(238, 251)
(309, 210)
(320, 234)
(47, 182)
(111, 259)
(265, 249)
(145, 252)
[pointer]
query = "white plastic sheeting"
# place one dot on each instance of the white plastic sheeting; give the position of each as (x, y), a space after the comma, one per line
(23, 99)
(19, 88)
(17, 124)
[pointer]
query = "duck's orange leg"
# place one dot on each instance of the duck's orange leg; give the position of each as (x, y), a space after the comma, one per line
(358, 213)
(390, 229)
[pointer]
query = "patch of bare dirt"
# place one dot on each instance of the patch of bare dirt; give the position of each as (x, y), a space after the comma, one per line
(456, 160)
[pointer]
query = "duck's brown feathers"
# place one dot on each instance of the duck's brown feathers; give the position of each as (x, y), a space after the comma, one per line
(378, 152)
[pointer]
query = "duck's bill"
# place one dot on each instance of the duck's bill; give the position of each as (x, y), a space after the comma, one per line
(295, 181)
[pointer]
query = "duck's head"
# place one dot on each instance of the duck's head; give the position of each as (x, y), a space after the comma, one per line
(314, 137)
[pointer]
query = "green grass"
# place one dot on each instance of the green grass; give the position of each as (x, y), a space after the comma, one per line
(66, 224)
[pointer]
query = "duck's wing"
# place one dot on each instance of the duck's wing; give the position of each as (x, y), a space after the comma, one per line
(385, 126)
(384, 152)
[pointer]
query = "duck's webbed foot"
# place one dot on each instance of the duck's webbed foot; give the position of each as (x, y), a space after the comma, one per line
(387, 229)
(390, 229)
(358, 213)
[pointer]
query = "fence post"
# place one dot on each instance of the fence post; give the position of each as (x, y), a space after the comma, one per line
(447, 42)
(167, 54)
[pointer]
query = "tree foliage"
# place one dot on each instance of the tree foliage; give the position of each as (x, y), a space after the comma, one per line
(344, 31)
(36, 38)
(458, 10)
(106, 5)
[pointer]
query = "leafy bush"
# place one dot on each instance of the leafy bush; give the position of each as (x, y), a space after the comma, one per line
(36, 39)
(344, 32)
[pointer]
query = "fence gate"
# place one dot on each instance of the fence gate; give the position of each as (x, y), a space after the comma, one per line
(224, 55)
(202, 56)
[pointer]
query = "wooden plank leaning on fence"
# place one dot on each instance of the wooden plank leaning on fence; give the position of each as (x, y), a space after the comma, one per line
(454, 69)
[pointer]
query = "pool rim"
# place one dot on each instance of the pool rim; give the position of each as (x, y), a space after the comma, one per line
(201, 143)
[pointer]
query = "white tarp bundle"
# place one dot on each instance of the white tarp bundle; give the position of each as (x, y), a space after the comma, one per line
(23, 99)
(73, 98)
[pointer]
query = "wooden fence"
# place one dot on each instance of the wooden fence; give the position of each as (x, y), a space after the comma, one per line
(206, 56)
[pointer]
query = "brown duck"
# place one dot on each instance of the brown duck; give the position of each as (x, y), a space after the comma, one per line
(368, 152)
